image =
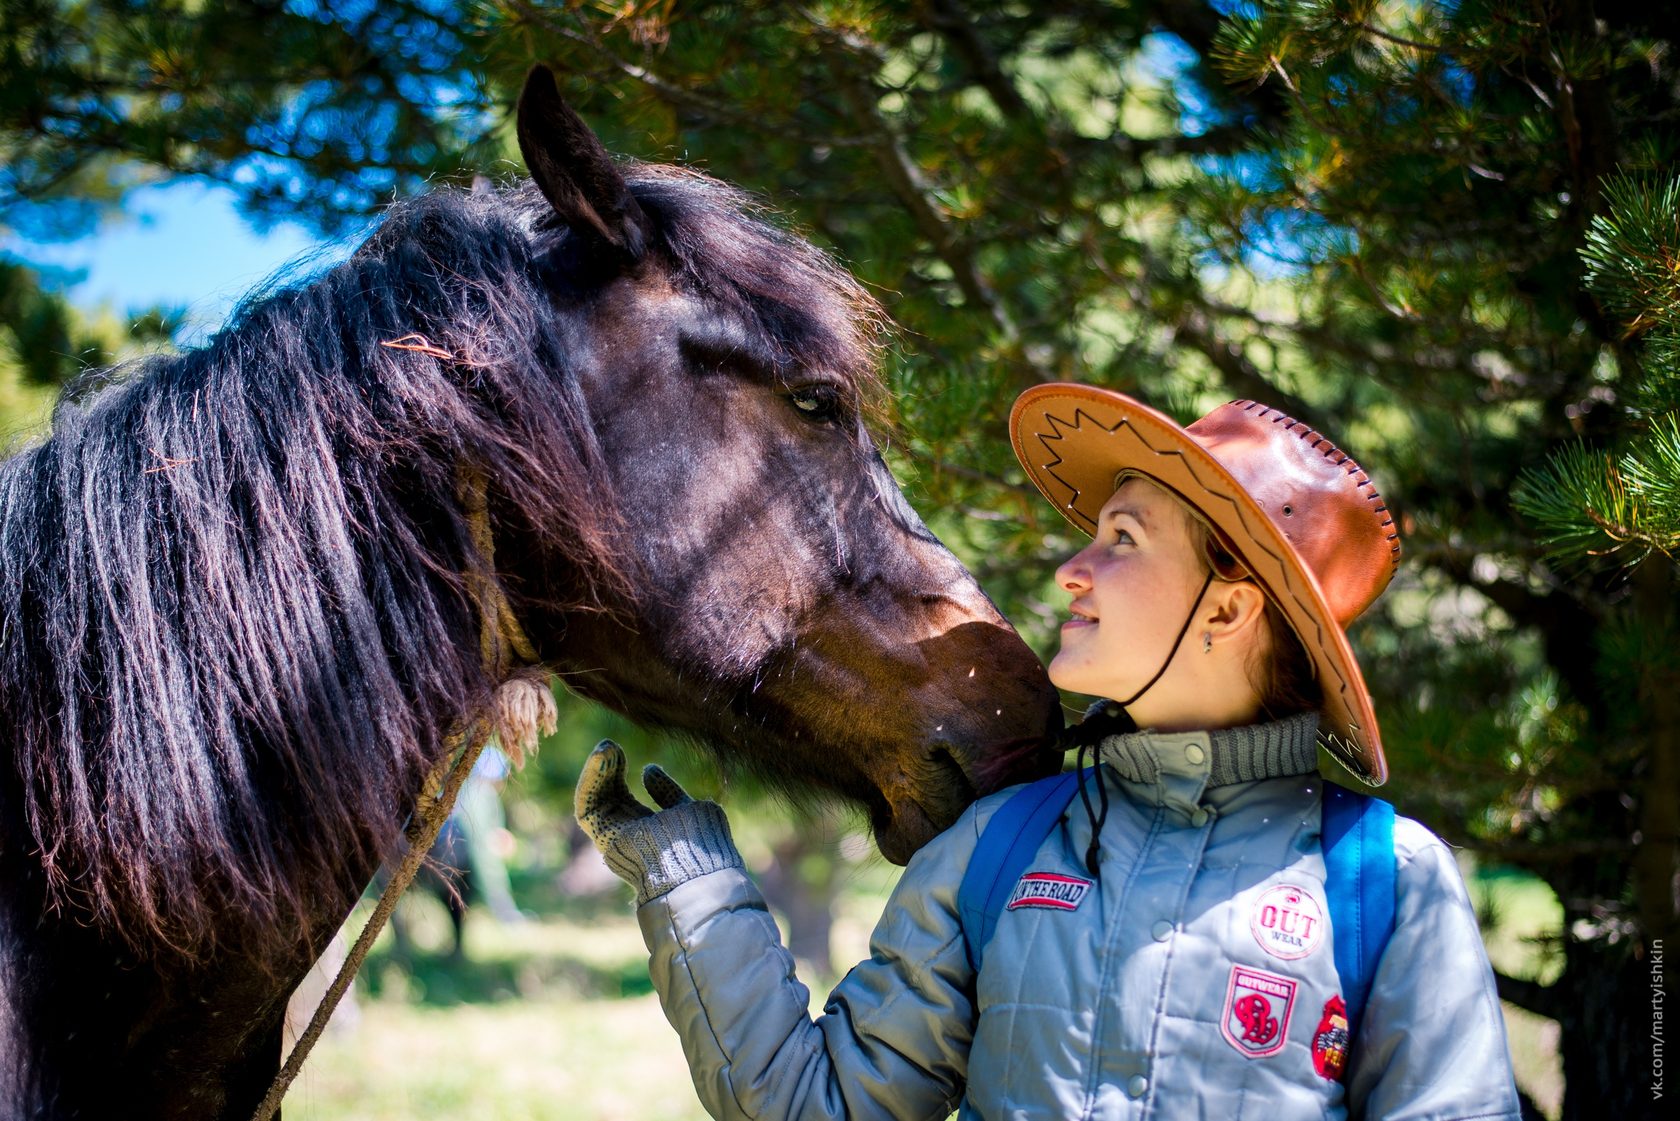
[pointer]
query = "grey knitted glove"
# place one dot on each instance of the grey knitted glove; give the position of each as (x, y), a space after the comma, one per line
(653, 851)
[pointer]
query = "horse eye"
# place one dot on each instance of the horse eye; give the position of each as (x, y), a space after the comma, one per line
(819, 402)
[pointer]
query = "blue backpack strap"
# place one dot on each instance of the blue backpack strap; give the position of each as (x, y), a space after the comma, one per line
(1359, 879)
(1007, 845)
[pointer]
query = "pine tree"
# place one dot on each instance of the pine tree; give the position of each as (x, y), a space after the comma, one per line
(1372, 215)
(1623, 502)
(1480, 260)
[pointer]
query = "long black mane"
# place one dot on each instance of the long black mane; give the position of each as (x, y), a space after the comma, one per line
(234, 629)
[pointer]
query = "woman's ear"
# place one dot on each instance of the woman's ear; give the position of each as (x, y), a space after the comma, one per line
(1235, 609)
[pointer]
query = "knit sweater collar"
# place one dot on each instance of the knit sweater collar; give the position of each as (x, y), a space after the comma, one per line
(1274, 749)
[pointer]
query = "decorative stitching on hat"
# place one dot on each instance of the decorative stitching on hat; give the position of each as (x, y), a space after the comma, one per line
(1330, 451)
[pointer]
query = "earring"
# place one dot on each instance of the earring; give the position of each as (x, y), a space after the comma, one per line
(1207, 642)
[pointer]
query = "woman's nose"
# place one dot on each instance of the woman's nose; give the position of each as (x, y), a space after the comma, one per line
(1074, 575)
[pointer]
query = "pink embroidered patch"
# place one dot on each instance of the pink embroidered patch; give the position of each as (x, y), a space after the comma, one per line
(1287, 922)
(1257, 1008)
(1048, 889)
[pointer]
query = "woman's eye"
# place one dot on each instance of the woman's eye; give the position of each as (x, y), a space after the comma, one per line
(819, 402)
(1121, 537)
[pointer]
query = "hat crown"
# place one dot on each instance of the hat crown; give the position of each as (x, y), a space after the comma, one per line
(1319, 499)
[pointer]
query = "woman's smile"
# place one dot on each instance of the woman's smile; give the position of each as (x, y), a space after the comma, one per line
(1081, 618)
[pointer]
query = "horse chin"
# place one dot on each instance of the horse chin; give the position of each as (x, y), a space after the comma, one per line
(901, 829)
(927, 796)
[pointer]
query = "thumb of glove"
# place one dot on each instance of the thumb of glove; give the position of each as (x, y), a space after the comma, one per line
(662, 787)
(603, 802)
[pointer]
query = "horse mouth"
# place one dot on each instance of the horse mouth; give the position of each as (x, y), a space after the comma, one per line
(910, 816)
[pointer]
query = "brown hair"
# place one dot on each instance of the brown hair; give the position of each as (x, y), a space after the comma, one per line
(1280, 671)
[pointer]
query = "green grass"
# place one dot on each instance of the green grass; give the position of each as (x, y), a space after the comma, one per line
(585, 1058)
(1521, 923)
(551, 1020)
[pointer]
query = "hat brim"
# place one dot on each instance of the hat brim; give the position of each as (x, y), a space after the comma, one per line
(1074, 440)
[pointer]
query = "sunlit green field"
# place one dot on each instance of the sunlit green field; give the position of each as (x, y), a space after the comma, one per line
(1521, 920)
(555, 1020)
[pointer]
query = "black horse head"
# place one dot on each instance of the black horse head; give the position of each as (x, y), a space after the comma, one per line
(787, 605)
(245, 593)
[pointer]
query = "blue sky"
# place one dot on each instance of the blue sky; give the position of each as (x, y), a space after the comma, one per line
(181, 244)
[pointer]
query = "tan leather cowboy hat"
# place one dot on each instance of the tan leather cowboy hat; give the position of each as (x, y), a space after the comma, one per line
(1299, 514)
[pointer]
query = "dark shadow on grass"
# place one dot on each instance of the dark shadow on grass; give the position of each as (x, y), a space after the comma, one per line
(440, 980)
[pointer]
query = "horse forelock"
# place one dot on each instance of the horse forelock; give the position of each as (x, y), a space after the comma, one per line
(235, 628)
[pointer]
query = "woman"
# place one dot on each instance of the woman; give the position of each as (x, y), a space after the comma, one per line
(1169, 952)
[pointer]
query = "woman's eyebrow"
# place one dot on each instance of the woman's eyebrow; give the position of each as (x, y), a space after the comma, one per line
(1135, 515)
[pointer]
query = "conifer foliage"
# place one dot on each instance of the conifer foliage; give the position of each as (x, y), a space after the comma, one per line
(1624, 501)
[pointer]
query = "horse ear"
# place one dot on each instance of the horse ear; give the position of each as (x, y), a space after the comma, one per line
(573, 170)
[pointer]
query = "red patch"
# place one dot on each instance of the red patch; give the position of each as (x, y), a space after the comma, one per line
(1330, 1040)
(1048, 889)
(1257, 1009)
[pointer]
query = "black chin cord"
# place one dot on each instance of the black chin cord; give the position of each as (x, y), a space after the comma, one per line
(1097, 819)
(1114, 726)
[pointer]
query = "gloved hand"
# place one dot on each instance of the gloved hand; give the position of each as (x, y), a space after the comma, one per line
(652, 850)
(603, 802)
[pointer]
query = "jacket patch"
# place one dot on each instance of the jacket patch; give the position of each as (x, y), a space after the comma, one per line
(1257, 1008)
(1048, 889)
(1330, 1040)
(1287, 922)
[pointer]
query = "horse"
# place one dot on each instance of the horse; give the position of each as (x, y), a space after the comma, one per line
(462, 867)
(611, 423)
(447, 876)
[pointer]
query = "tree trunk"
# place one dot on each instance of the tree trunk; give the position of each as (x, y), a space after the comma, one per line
(1606, 1038)
(1613, 988)
(1654, 862)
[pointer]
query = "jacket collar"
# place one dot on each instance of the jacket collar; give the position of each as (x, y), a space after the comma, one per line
(1275, 749)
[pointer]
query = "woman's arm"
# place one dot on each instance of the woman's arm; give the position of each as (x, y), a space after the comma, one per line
(894, 1036)
(1432, 1044)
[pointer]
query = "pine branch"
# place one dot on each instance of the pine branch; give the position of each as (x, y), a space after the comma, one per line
(1579, 504)
(946, 467)
(1632, 253)
(951, 20)
(843, 52)
(549, 20)
(1193, 325)
(1652, 469)
(1567, 624)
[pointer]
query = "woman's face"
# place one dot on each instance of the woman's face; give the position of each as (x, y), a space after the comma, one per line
(1132, 588)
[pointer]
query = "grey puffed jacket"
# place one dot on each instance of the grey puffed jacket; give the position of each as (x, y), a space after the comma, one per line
(1193, 979)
